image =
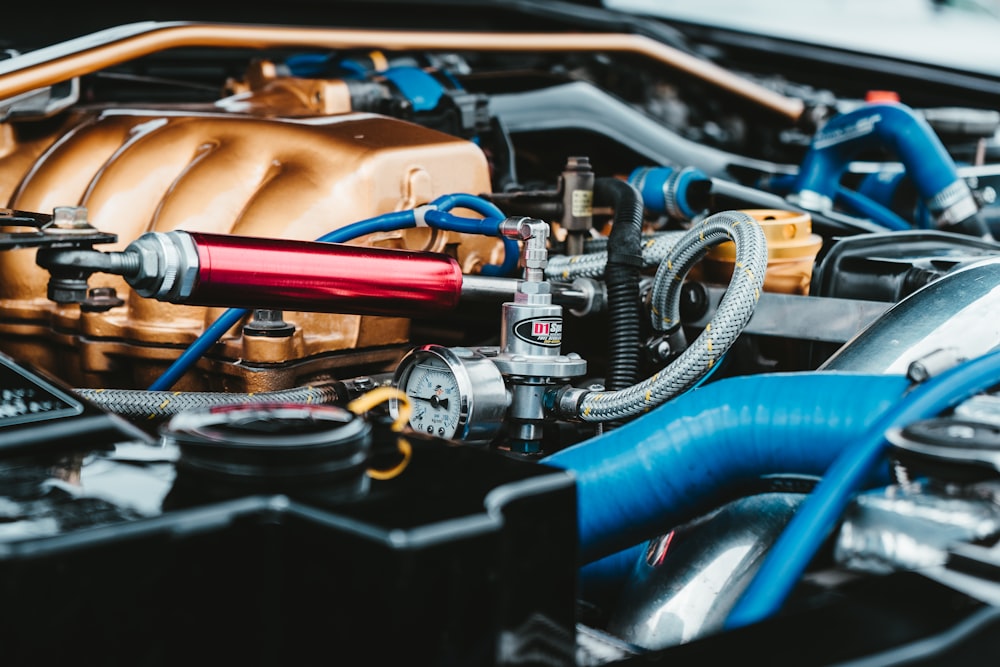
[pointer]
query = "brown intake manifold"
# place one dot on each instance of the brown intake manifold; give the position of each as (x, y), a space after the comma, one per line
(138, 170)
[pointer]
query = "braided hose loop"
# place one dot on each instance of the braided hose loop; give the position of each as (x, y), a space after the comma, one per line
(720, 333)
(748, 274)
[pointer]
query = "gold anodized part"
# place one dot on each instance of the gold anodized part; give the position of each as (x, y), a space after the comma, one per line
(265, 93)
(791, 252)
(138, 170)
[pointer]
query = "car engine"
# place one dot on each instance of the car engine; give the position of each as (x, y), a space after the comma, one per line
(582, 344)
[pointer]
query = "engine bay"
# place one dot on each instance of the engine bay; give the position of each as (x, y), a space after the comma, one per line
(567, 346)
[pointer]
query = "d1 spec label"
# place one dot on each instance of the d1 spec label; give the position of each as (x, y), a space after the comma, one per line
(545, 331)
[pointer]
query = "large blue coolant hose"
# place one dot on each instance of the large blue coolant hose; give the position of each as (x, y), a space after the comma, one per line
(819, 514)
(899, 130)
(690, 455)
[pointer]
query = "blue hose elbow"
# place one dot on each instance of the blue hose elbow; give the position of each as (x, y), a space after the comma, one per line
(898, 129)
(690, 455)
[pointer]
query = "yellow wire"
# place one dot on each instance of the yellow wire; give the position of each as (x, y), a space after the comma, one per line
(370, 399)
(406, 449)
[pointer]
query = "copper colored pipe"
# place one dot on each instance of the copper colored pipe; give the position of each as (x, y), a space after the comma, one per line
(91, 53)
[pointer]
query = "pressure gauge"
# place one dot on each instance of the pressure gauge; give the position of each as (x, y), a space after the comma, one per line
(455, 393)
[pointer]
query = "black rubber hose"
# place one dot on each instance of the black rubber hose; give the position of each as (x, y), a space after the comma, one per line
(621, 275)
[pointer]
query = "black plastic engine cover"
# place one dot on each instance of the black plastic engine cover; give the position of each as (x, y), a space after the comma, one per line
(115, 554)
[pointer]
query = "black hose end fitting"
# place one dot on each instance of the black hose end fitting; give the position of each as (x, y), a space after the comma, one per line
(564, 402)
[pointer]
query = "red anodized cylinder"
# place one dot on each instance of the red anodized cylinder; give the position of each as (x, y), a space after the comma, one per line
(250, 272)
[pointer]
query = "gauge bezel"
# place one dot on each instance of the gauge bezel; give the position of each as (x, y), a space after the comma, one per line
(483, 394)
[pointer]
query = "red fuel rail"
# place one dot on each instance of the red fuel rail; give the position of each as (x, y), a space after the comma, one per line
(252, 272)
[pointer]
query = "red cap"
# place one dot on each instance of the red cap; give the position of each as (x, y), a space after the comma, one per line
(881, 96)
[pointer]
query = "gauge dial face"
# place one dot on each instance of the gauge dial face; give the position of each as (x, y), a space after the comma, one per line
(436, 398)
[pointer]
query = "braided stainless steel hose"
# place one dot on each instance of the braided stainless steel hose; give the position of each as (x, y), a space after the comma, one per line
(591, 265)
(720, 333)
(158, 405)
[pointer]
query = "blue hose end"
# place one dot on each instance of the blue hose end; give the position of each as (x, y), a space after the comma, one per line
(649, 182)
(679, 193)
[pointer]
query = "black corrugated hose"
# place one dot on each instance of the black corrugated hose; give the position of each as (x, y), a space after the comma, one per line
(621, 275)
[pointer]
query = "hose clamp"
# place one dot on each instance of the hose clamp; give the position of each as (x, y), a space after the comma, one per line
(953, 204)
(675, 201)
